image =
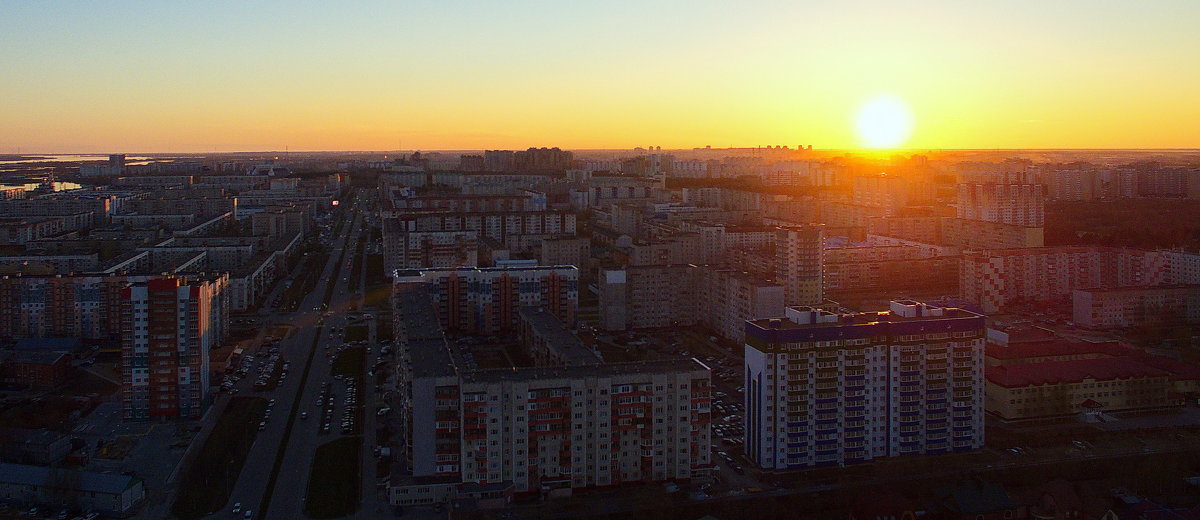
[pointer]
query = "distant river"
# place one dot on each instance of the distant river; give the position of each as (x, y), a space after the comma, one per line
(69, 158)
(58, 186)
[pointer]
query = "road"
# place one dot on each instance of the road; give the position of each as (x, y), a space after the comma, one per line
(302, 436)
(287, 501)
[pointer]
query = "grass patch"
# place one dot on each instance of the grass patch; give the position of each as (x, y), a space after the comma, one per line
(265, 505)
(349, 363)
(205, 486)
(310, 274)
(383, 327)
(377, 297)
(375, 274)
(333, 481)
(356, 264)
(379, 288)
(356, 333)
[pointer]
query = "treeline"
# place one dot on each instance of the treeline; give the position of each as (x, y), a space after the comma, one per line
(1140, 223)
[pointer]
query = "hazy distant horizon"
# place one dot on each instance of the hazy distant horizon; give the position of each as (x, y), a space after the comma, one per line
(895, 151)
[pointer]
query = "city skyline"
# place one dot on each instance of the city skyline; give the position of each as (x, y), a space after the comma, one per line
(151, 78)
(933, 260)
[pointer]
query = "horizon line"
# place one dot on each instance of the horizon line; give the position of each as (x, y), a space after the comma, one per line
(694, 149)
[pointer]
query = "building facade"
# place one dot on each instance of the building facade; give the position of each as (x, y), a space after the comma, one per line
(487, 300)
(167, 332)
(799, 252)
(1013, 204)
(824, 389)
(547, 430)
(1136, 306)
(997, 278)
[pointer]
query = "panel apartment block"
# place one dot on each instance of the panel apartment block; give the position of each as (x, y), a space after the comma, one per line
(825, 389)
(166, 337)
(487, 300)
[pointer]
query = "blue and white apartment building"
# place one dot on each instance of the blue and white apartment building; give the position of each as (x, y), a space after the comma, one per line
(826, 389)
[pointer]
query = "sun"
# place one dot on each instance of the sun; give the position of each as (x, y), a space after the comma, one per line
(884, 122)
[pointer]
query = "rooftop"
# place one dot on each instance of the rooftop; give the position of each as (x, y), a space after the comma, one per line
(426, 343)
(596, 370)
(1071, 371)
(399, 273)
(804, 324)
(1051, 250)
(1139, 289)
(84, 480)
(565, 344)
(1058, 347)
(32, 357)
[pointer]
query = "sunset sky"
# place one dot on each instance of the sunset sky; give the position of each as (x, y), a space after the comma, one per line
(210, 76)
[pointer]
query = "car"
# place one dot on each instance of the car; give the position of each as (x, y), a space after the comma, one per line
(262, 426)
(248, 515)
(237, 508)
(303, 415)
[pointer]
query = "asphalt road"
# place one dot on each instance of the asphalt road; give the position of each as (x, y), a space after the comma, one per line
(288, 497)
(251, 487)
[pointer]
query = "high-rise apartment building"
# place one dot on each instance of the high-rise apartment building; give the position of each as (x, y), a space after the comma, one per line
(727, 298)
(650, 296)
(881, 191)
(653, 296)
(166, 334)
(411, 238)
(471, 163)
(498, 160)
(548, 429)
(542, 159)
(83, 306)
(826, 389)
(1014, 204)
(1136, 306)
(997, 278)
(798, 253)
(488, 300)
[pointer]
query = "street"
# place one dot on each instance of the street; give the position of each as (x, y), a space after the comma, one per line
(287, 441)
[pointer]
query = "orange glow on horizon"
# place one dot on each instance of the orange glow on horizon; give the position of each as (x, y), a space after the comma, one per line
(603, 76)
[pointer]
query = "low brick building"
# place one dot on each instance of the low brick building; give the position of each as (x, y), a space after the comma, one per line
(34, 368)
